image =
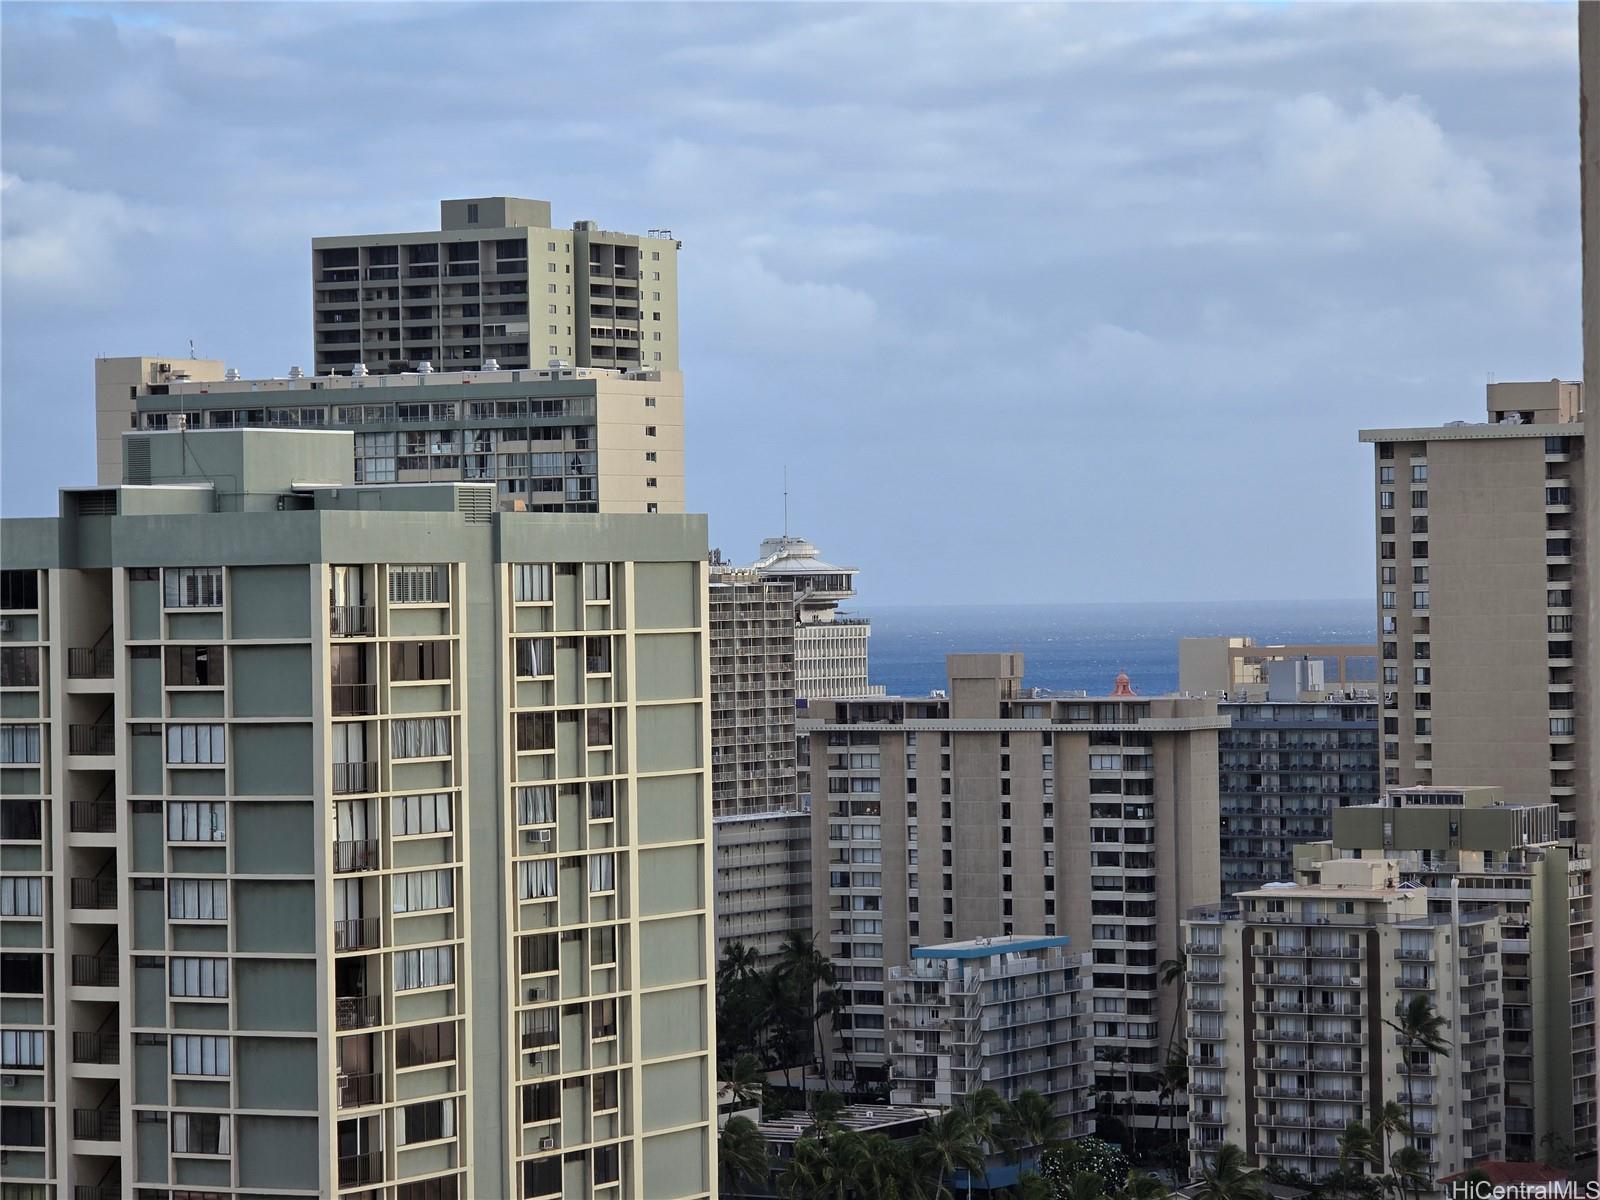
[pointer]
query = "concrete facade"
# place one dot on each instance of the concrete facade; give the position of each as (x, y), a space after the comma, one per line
(1287, 996)
(830, 647)
(356, 837)
(1482, 622)
(1090, 817)
(495, 281)
(552, 439)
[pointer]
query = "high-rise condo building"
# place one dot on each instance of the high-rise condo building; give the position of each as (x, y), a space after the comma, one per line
(1089, 817)
(830, 647)
(1297, 750)
(762, 833)
(495, 282)
(1006, 1013)
(356, 837)
(1481, 554)
(1289, 991)
(550, 439)
(1473, 851)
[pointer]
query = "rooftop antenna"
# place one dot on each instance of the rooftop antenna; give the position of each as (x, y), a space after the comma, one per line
(191, 347)
(786, 501)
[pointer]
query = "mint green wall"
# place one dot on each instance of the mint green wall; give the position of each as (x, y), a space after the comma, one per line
(275, 1073)
(677, 1164)
(665, 596)
(671, 950)
(276, 994)
(666, 666)
(670, 880)
(271, 602)
(272, 839)
(271, 681)
(274, 916)
(277, 1152)
(272, 760)
(668, 737)
(672, 1022)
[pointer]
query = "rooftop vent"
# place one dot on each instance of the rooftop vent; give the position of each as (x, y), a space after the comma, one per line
(359, 371)
(424, 367)
(296, 373)
(231, 374)
(490, 364)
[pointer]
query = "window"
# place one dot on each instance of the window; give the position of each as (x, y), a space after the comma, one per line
(535, 731)
(419, 660)
(650, 431)
(597, 581)
(199, 1055)
(21, 1126)
(1385, 474)
(421, 891)
(530, 582)
(1561, 726)
(1419, 499)
(602, 872)
(21, 896)
(535, 657)
(472, 214)
(1385, 500)
(19, 589)
(193, 587)
(197, 899)
(536, 805)
(197, 821)
(22, 1048)
(419, 1045)
(194, 666)
(1423, 676)
(425, 813)
(20, 820)
(536, 880)
(1419, 599)
(650, 481)
(419, 585)
(1105, 762)
(19, 743)
(19, 666)
(427, 1121)
(1419, 473)
(1387, 600)
(432, 966)
(419, 737)
(201, 1133)
(207, 977)
(196, 744)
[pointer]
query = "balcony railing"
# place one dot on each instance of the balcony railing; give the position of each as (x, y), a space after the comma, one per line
(350, 620)
(97, 1124)
(360, 934)
(355, 699)
(357, 1090)
(103, 1048)
(355, 856)
(349, 777)
(96, 1191)
(94, 893)
(91, 662)
(358, 1012)
(95, 970)
(356, 1170)
(93, 816)
(91, 739)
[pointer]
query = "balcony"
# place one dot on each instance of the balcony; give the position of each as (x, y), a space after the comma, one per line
(92, 816)
(355, 699)
(358, 1170)
(102, 1049)
(358, 1012)
(96, 1191)
(97, 1124)
(352, 777)
(361, 934)
(358, 1090)
(99, 892)
(91, 739)
(95, 970)
(91, 662)
(350, 620)
(356, 856)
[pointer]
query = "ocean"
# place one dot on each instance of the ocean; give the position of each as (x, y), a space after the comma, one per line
(1069, 647)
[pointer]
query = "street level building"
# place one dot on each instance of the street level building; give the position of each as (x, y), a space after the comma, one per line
(1485, 650)
(495, 282)
(356, 837)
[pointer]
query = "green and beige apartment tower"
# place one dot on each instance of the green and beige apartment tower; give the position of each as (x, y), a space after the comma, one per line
(1482, 553)
(495, 283)
(1290, 988)
(356, 837)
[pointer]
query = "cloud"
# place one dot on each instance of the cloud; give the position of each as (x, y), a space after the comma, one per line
(62, 246)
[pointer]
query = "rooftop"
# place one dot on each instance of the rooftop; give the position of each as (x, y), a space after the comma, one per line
(988, 947)
(859, 1118)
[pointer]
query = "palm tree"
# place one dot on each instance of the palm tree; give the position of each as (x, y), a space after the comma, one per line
(1174, 971)
(815, 1172)
(739, 962)
(1410, 1167)
(1171, 1080)
(1031, 1122)
(745, 1080)
(1388, 1121)
(1032, 1186)
(1357, 1145)
(947, 1145)
(1229, 1177)
(1084, 1185)
(807, 970)
(1118, 1057)
(1421, 1030)
(987, 1112)
(1144, 1186)
(825, 1107)
(742, 1154)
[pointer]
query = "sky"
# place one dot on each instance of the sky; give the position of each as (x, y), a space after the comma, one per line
(1037, 303)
